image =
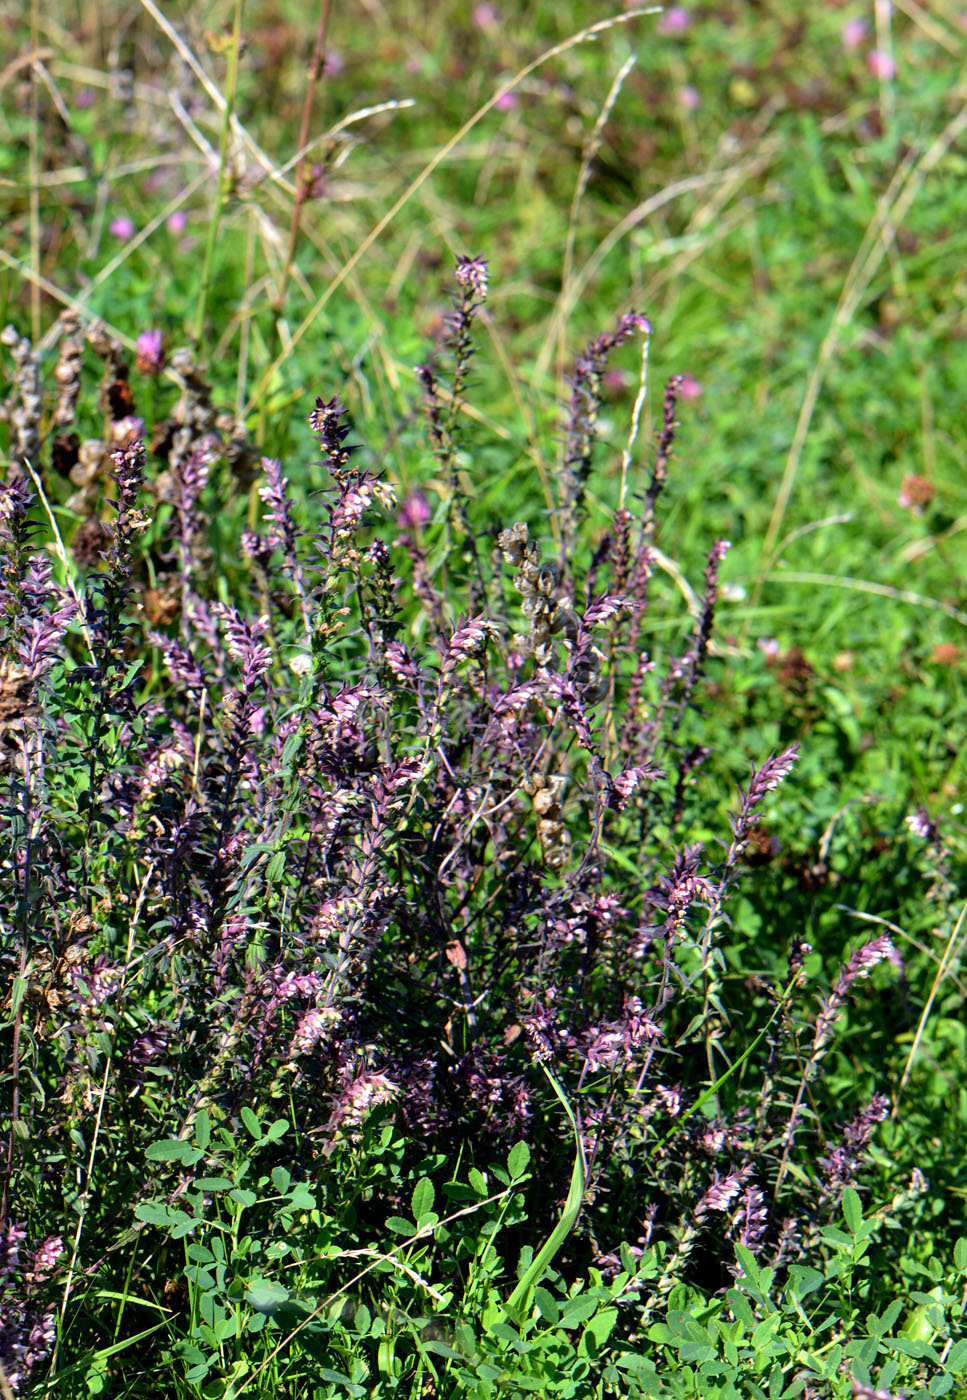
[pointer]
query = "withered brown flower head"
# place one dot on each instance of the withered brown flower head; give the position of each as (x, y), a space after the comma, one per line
(16, 692)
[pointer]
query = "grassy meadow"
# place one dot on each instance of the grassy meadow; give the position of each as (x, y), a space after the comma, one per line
(483, 666)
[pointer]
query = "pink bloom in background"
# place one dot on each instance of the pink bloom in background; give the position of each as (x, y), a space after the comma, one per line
(689, 97)
(414, 511)
(915, 493)
(690, 388)
(85, 98)
(880, 65)
(506, 101)
(121, 227)
(177, 222)
(853, 33)
(485, 17)
(614, 379)
(769, 645)
(674, 21)
(150, 353)
(333, 64)
(157, 180)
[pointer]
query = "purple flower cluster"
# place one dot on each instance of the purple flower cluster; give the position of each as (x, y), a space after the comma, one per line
(381, 812)
(27, 1327)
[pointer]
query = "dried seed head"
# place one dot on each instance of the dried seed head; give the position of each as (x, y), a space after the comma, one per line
(17, 697)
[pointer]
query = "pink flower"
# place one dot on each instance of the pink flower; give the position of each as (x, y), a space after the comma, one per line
(506, 101)
(150, 353)
(880, 65)
(334, 64)
(86, 97)
(177, 222)
(485, 17)
(690, 388)
(121, 227)
(157, 180)
(769, 645)
(689, 98)
(675, 20)
(414, 511)
(852, 34)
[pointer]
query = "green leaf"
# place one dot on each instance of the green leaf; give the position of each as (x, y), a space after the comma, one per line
(131, 672)
(888, 1318)
(242, 1197)
(441, 1349)
(546, 1305)
(749, 1266)
(910, 1346)
(852, 1210)
(805, 1280)
(960, 1255)
(324, 1373)
(277, 1130)
(518, 1160)
(478, 1181)
(171, 1150)
(18, 991)
(301, 1198)
(957, 1359)
(578, 1310)
(602, 1325)
(252, 853)
(170, 1218)
(275, 868)
(281, 1180)
(399, 1226)
(203, 1129)
(291, 747)
(251, 1122)
(423, 1198)
(265, 1296)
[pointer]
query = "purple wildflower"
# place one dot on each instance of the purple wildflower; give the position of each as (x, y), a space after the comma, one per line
(751, 1218)
(471, 274)
(840, 1166)
(326, 421)
(278, 511)
(919, 824)
(243, 645)
(469, 640)
(721, 1193)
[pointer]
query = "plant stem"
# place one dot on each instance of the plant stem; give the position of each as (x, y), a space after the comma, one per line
(521, 1295)
(316, 68)
(221, 197)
